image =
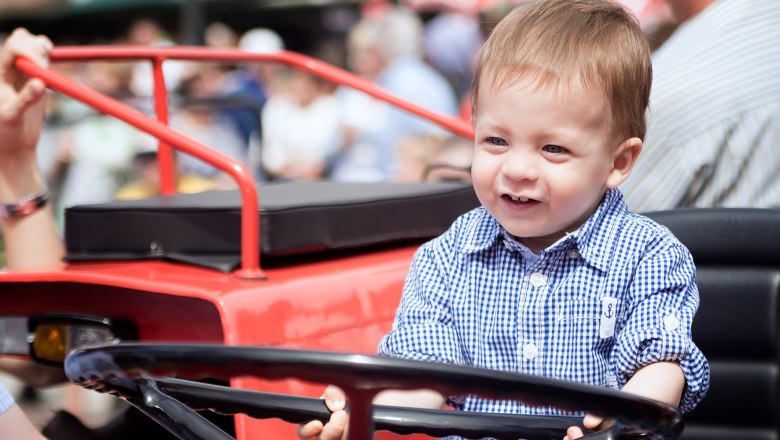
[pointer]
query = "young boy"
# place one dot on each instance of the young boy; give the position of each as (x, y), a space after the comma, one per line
(552, 275)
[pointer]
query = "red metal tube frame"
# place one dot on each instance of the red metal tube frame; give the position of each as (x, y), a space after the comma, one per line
(292, 59)
(250, 224)
(165, 161)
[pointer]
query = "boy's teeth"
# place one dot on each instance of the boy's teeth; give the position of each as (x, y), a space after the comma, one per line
(521, 199)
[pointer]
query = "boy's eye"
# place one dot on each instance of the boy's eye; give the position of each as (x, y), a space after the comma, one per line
(492, 140)
(555, 149)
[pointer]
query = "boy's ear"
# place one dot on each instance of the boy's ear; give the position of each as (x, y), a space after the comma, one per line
(623, 161)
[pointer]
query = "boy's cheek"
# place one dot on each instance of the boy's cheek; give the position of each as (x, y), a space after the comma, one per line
(483, 172)
(484, 192)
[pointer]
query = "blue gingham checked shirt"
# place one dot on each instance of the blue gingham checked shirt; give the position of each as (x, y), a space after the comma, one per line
(609, 298)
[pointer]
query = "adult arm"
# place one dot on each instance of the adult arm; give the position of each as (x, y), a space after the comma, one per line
(31, 241)
(14, 424)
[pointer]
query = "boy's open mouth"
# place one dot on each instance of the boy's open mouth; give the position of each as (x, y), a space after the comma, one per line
(519, 200)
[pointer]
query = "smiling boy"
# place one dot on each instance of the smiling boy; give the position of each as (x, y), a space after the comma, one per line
(552, 275)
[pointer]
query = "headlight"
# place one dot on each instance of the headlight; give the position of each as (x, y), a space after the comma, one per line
(52, 337)
(52, 342)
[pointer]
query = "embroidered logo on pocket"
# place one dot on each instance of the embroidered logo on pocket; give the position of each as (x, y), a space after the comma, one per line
(608, 317)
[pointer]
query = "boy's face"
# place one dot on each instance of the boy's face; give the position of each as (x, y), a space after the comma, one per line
(544, 156)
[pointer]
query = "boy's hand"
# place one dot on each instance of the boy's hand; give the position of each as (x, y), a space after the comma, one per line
(335, 399)
(336, 428)
(663, 381)
(590, 421)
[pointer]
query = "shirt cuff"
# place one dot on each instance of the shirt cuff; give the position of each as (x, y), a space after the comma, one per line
(643, 348)
(430, 342)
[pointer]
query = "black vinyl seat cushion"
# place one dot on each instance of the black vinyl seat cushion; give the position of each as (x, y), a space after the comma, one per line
(295, 218)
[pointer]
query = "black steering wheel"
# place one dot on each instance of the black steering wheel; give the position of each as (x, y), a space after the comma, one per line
(135, 372)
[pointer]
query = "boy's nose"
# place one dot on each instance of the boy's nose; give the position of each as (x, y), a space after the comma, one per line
(520, 166)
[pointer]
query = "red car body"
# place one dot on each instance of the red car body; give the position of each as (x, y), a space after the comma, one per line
(328, 301)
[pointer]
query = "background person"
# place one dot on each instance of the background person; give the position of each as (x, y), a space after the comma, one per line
(302, 129)
(249, 86)
(148, 32)
(434, 159)
(452, 162)
(146, 180)
(387, 49)
(714, 118)
(452, 39)
(199, 119)
(94, 154)
(413, 154)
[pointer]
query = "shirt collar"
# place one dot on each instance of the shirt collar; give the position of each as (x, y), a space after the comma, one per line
(590, 239)
(481, 233)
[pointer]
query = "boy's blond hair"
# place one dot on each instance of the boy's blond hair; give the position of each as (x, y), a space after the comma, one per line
(555, 41)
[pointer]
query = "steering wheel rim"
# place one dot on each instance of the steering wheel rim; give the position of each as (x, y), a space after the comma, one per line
(361, 377)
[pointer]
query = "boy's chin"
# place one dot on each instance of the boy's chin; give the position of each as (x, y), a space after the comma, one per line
(535, 238)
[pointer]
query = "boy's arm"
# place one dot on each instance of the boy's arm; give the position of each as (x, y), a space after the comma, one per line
(412, 399)
(662, 381)
(658, 326)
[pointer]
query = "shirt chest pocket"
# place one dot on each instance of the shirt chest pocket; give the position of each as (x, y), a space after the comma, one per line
(589, 319)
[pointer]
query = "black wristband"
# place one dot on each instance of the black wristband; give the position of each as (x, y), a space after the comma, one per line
(25, 206)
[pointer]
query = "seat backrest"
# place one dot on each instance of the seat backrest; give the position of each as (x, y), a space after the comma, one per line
(737, 256)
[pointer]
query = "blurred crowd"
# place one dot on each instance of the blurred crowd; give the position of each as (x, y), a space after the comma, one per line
(282, 123)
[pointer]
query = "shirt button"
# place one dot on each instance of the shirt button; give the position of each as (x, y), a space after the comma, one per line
(573, 253)
(538, 279)
(671, 322)
(530, 351)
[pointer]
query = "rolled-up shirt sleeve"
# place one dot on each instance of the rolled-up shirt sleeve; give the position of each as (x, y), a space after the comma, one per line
(664, 301)
(423, 328)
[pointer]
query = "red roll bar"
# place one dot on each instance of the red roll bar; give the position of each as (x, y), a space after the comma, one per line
(250, 224)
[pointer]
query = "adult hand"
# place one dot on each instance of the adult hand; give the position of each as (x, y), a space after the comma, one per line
(21, 115)
(336, 428)
(21, 109)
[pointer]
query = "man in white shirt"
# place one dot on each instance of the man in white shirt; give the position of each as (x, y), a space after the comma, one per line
(714, 118)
